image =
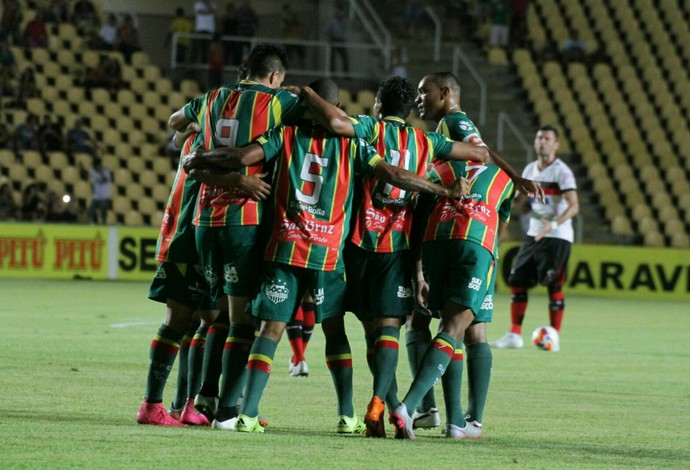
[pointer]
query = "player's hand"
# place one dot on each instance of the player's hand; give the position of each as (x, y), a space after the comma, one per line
(460, 188)
(421, 292)
(530, 187)
(255, 186)
(295, 90)
(545, 229)
(193, 160)
(193, 127)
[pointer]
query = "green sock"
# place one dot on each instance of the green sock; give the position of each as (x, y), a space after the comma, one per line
(182, 371)
(452, 386)
(196, 361)
(235, 355)
(259, 370)
(371, 348)
(386, 359)
(479, 363)
(417, 341)
(434, 364)
(162, 356)
(339, 362)
(213, 354)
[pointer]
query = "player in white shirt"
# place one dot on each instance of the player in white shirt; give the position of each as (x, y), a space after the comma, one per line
(543, 258)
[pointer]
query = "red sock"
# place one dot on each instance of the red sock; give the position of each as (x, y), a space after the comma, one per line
(556, 307)
(308, 321)
(518, 307)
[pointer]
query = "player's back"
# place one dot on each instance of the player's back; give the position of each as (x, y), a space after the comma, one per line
(382, 221)
(312, 192)
(232, 117)
(475, 218)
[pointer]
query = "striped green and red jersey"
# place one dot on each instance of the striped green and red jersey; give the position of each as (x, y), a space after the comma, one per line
(233, 117)
(313, 187)
(176, 239)
(459, 127)
(475, 219)
(383, 217)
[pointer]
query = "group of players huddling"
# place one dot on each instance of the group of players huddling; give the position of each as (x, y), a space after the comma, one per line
(280, 194)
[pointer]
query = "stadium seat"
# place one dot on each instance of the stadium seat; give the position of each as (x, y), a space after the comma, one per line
(140, 59)
(653, 238)
(75, 95)
(680, 240)
(31, 158)
(161, 164)
(133, 219)
(498, 56)
(620, 225)
(147, 206)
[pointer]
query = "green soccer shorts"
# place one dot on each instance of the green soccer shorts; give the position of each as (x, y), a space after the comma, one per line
(283, 286)
(182, 282)
(378, 284)
(458, 271)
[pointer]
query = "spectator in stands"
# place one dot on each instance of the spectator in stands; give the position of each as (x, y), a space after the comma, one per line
(573, 48)
(500, 23)
(247, 25)
(8, 68)
(101, 178)
(107, 35)
(26, 134)
(84, 17)
(26, 87)
(50, 137)
(10, 21)
(399, 62)
(128, 37)
(292, 29)
(33, 201)
(106, 74)
(228, 26)
(79, 141)
(35, 31)
(204, 24)
(183, 25)
(215, 62)
(58, 11)
(8, 206)
(336, 35)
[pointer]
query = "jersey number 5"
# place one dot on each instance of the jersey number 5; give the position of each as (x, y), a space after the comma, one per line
(313, 177)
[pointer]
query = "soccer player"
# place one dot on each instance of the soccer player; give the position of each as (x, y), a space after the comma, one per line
(379, 245)
(227, 221)
(438, 100)
(457, 259)
(543, 258)
(313, 190)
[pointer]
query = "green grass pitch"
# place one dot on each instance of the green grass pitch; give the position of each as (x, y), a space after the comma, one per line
(74, 358)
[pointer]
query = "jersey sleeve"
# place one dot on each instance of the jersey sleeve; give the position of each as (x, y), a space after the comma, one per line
(193, 108)
(441, 146)
(272, 142)
(366, 127)
(566, 180)
(292, 108)
(366, 157)
(460, 127)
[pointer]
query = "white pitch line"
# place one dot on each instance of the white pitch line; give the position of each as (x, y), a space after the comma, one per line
(134, 323)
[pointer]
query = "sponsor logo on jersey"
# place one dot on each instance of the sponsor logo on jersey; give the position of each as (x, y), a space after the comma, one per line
(161, 274)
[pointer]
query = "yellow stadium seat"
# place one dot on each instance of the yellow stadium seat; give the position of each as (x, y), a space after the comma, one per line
(160, 193)
(147, 206)
(654, 239)
(140, 59)
(498, 56)
(620, 225)
(680, 240)
(133, 218)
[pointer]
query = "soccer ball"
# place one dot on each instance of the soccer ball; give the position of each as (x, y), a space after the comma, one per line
(546, 338)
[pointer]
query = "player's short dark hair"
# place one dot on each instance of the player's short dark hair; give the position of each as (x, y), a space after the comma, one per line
(549, 127)
(265, 59)
(447, 79)
(326, 89)
(397, 96)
